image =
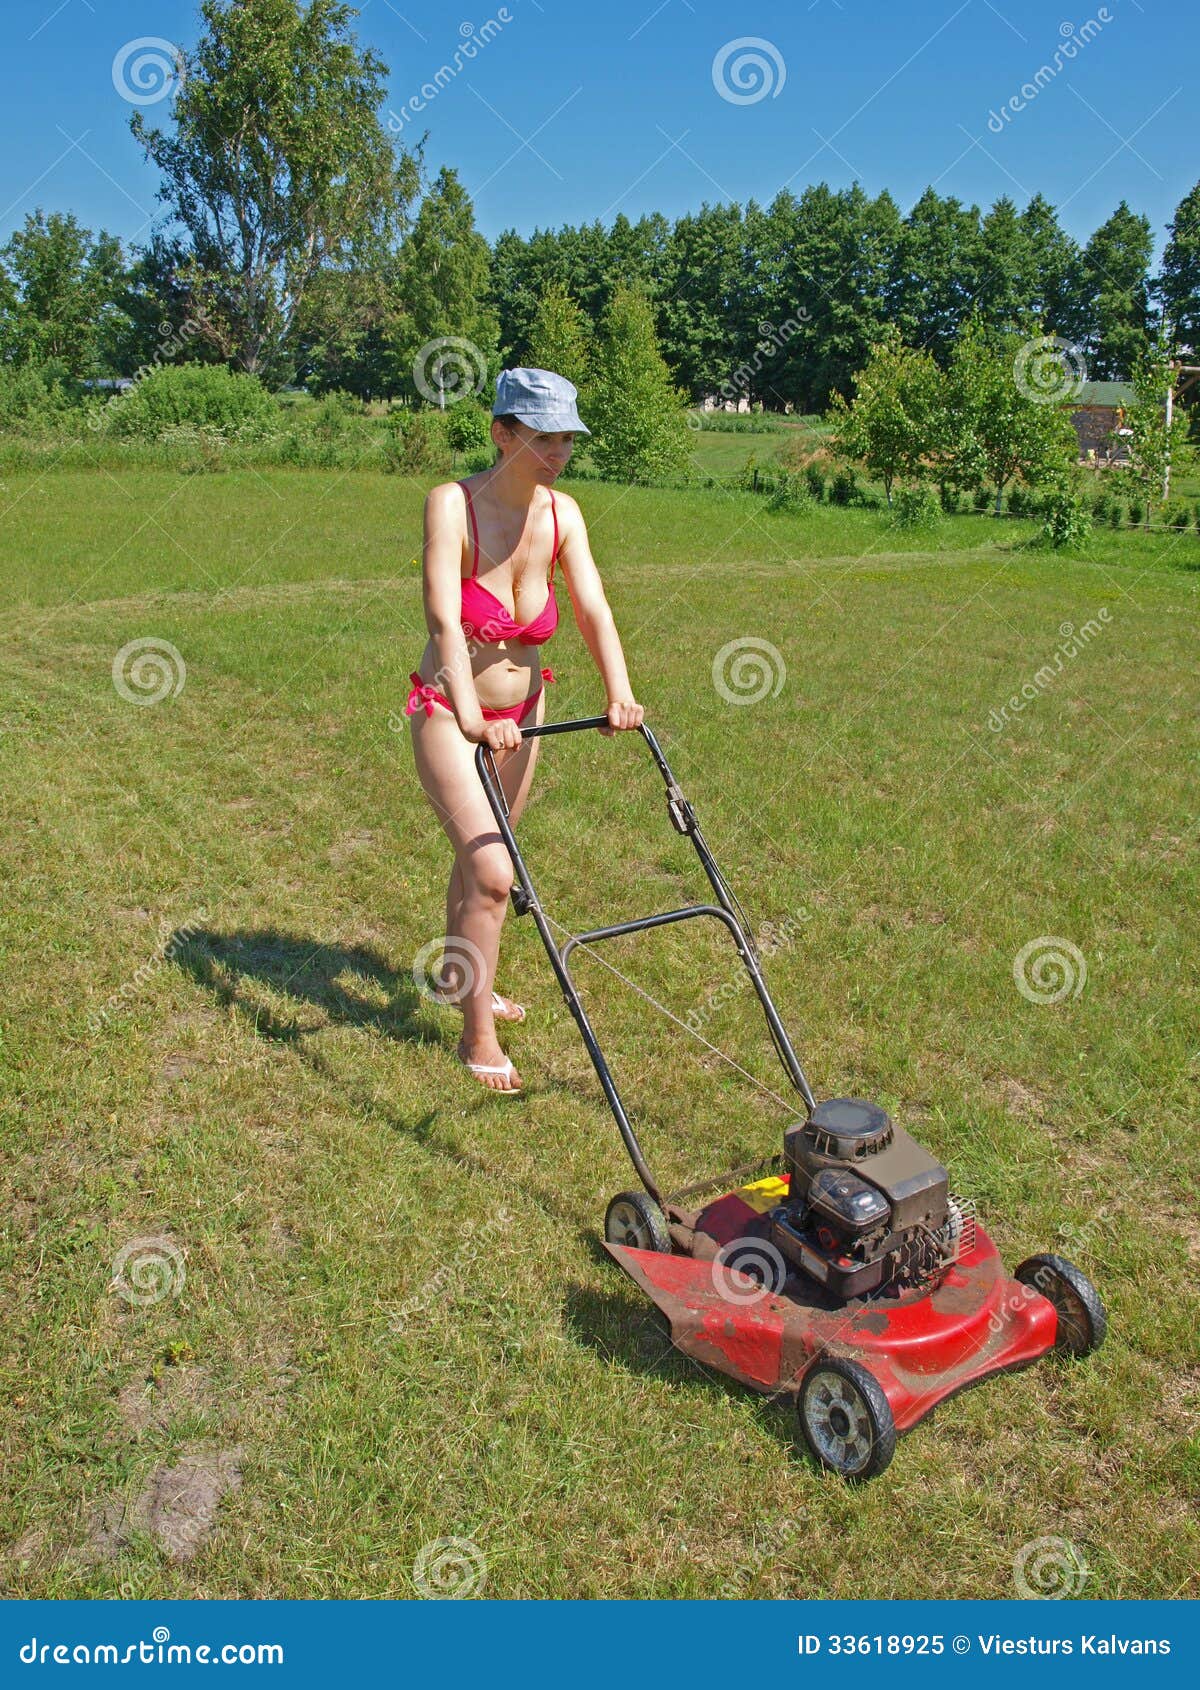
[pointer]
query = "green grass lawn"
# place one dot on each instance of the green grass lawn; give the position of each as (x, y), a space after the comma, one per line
(391, 1320)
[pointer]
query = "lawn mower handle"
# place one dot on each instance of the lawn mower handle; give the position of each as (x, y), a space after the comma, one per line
(525, 902)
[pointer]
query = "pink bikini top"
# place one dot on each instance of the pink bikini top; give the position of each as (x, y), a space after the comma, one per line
(484, 618)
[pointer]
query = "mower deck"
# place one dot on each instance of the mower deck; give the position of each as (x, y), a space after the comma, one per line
(921, 1347)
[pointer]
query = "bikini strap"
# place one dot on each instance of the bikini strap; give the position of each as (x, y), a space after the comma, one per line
(554, 553)
(474, 529)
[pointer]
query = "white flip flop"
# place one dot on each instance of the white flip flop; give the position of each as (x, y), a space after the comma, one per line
(505, 1068)
(498, 1004)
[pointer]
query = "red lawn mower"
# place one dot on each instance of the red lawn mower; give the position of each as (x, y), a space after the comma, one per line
(844, 1271)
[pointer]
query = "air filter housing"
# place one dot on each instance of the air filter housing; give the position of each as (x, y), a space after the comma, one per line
(848, 1128)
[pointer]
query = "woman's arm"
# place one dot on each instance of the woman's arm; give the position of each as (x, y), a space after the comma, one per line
(595, 618)
(441, 579)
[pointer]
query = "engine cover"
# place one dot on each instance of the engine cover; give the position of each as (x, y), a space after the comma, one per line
(848, 1132)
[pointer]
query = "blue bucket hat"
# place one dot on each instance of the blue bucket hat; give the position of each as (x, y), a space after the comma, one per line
(540, 399)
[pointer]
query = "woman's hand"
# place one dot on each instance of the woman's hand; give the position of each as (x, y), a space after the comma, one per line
(503, 734)
(622, 713)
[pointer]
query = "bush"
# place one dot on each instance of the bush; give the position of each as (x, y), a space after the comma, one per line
(1068, 521)
(469, 427)
(792, 494)
(844, 488)
(1116, 513)
(949, 499)
(815, 481)
(982, 499)
(1137, 512)
(196, 395)
(1019, 501)
(1198, 519)
(417, 443)
(916, 507)
(1176, 514)
(34, 398)
(1100, 506)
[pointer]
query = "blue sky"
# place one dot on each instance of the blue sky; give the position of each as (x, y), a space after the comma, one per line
(571, 112)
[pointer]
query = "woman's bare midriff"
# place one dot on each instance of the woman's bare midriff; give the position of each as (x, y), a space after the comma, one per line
(501, 680)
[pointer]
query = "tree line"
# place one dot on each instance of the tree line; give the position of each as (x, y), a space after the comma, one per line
(302, 243)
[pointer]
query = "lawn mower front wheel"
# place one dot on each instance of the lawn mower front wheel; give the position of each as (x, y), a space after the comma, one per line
(1082, 1322)
(846, 1419)
(634, 1219)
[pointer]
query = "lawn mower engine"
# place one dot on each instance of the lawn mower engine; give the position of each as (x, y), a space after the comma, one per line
(868, 1209)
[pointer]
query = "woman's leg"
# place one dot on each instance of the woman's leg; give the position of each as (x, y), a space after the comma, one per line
(445, 764)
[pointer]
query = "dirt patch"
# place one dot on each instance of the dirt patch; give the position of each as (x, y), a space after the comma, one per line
(1021, 1100)
(152, 1403)
(177, 1508)
(349, 845)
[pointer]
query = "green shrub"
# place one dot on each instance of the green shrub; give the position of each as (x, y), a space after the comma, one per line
(916, 507)
(1175, 514)
(948, 497)
(469, 427)
(194, 395)
(34, 398)
(1198, 519)
(1100, 504)
(844, 488)
(1137, 512)
(814, 478)
(417, 443)
(791, 494)
(1068, 521)
(1019, 501)
(1116, 513)
(981, 499)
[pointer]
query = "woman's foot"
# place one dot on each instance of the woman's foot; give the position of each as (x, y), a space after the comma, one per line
(489, 1065)
(503, 1009)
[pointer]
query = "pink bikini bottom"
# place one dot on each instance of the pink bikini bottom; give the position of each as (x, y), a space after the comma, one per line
(429, 696)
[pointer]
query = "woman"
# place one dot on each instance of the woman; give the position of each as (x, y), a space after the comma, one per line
(491, 543)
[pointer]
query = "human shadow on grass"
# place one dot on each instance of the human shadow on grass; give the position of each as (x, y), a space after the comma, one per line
(315, 974)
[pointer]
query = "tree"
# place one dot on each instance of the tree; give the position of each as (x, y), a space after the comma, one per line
(1004, 271)
(892, 424)
(1156, 446)
(1003, 429)
(639, 427)
(61, 293)
(278, 166)
(933, 279)
(1056, 271)
(449, 335)
(561, 339)
(1178, 286)
(1115, 265)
